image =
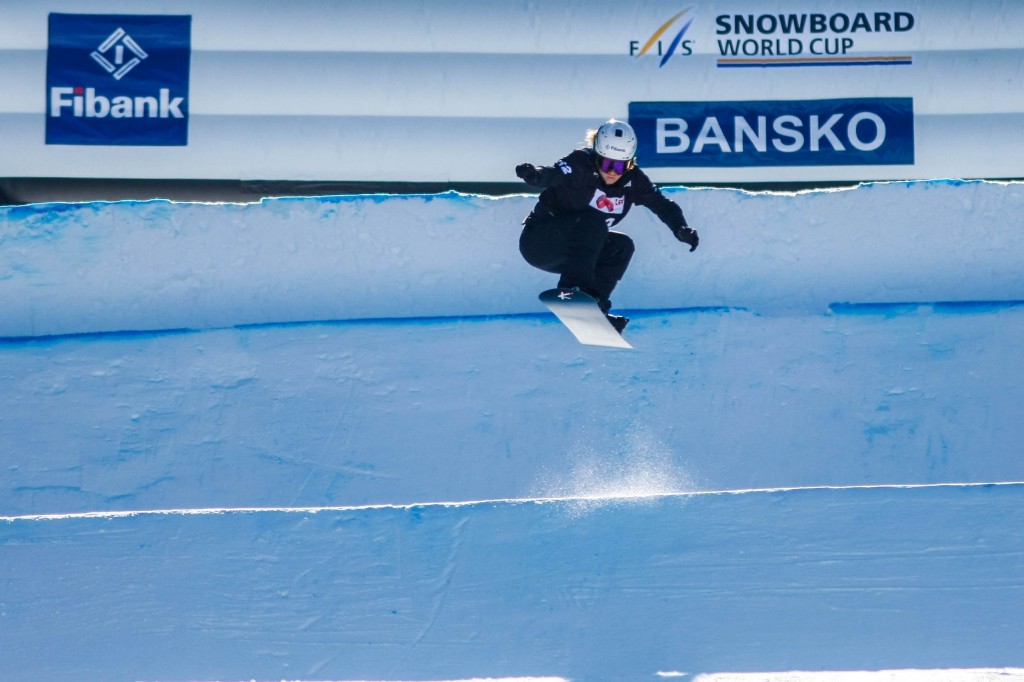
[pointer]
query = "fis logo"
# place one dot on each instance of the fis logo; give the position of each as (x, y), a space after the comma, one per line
(118, 79)
(677, 45)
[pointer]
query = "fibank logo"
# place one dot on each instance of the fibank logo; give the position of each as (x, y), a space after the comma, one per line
(836, 132)
(118, 42)
(118, 79)
(677, 45)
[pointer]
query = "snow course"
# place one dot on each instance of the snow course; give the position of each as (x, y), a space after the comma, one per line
(340, 439)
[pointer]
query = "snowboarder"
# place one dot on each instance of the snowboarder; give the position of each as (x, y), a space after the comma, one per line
(584, 195)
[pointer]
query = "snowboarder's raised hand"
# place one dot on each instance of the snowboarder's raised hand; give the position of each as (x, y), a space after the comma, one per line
(528, 173)
(687, 236)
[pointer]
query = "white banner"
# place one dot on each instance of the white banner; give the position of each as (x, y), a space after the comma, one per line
(461, 91)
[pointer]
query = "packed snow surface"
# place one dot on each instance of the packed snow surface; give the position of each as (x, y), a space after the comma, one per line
(340, 439)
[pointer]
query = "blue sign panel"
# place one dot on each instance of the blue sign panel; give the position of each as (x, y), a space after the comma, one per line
(116, 79)
(825, 132)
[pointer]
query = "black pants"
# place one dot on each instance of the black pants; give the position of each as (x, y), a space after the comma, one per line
(580, 248)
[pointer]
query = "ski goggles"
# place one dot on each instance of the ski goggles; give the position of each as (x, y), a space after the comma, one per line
(613, 165)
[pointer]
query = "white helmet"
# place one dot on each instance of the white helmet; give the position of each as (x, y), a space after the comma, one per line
(615, 140)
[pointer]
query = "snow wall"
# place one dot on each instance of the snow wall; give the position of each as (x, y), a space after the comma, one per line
(317, 367)
(345, 414)
(100, 267)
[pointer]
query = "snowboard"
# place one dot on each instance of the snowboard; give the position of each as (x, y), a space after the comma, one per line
(581, 314)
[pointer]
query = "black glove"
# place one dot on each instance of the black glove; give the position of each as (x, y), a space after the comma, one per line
(528, 173)
(687, 236)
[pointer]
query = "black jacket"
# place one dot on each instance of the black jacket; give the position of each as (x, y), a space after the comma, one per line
(573, 184)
